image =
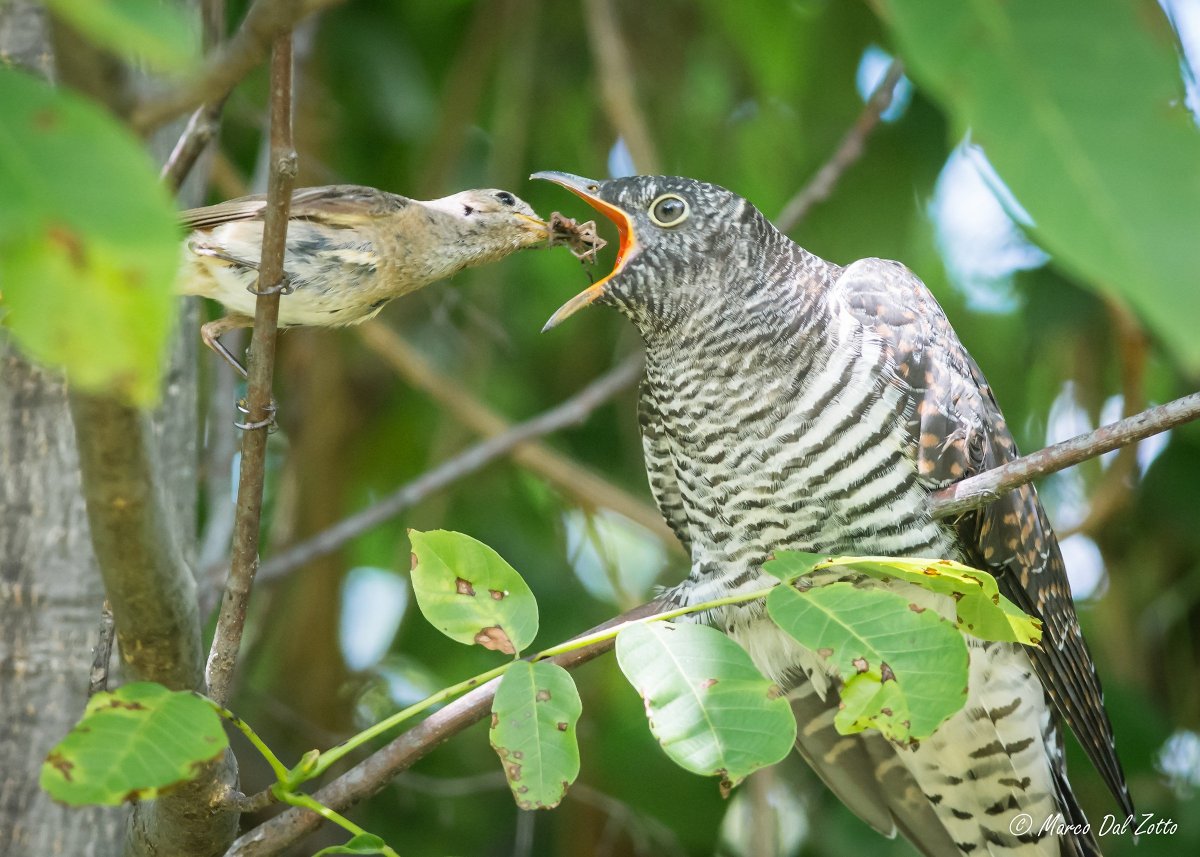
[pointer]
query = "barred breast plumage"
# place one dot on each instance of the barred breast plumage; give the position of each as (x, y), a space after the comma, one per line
(792, 403)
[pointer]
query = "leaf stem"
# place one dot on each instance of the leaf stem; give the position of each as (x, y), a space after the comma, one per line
(278, 767)
(329, 757)
(310, 803)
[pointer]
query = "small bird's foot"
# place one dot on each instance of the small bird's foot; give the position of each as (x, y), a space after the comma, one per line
(283, 287)
(267, 422)
(211, 334)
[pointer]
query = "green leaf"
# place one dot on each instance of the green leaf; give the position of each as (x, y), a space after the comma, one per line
(1079, 106)
(468, 592)
(89, 248)
(980, 609)
(788, 565)
(161, 33)
(708, 706)
(534, 714)
(362, 843)
(132, 744)
(904, 668)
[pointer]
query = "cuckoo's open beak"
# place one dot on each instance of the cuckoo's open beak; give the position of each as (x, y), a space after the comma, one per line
(586, 189)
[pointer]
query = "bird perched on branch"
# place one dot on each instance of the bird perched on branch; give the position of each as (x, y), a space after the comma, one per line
(790, 403)
(350, 250)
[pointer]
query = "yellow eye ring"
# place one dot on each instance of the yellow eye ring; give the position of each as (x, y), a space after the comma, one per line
(669, 210)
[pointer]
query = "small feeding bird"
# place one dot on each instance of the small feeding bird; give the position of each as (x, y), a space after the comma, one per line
(790, 403)
(350, 250)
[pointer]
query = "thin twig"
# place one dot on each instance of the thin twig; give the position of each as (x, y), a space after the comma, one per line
(372, 774)
(573, 479)
(201, 128)
(982, 489)
(232, 618)
(1115, 489)
(574, 410)
(102, 654)
(617, 83)
(204, 123)
(266, 21)
(849, 150)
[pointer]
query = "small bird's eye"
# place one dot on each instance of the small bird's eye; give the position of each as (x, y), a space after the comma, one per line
(506, 198)
(468, 211)
(669, 210)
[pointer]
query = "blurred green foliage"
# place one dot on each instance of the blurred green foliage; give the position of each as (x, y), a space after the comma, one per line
(425, 98)
(428, 97)
(87, 254)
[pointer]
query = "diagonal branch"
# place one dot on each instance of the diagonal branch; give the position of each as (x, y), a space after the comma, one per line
(372, 774)
(570, 412)
(266, 21)
(849, 150)
(982, 489)
(260, 408)
(576, 481)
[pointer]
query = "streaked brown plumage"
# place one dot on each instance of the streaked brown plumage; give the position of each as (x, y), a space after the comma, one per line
(350, 250)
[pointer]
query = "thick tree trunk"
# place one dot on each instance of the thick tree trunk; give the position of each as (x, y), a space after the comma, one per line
(50, 591)
(50, 597)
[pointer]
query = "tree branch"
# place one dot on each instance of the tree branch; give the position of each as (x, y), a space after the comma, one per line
(266, 21)
(370, 776)
(570, 412)
(271, 280)
(982, 489)
(576, 481)
(203, 125)
(849, 150)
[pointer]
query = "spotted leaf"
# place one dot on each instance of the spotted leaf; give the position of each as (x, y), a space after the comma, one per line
(131, 744)
(534, 714)
(904, 671)
(468, 592)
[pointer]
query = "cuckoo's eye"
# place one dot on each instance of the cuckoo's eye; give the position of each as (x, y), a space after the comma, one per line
(669, 210)
(506, 198)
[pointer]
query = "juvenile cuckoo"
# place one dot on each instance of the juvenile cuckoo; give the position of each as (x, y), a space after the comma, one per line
(790, 403)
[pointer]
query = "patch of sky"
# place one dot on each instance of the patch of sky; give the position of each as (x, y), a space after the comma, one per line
(975, 219)
(615, 559)
(373, 605)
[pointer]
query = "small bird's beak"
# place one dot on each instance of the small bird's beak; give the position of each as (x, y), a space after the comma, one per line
(586, 189)
(533, 224)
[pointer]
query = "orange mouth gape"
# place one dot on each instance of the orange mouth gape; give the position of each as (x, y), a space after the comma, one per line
(626, 249)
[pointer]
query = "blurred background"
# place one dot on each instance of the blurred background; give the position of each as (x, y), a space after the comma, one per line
(428, 97)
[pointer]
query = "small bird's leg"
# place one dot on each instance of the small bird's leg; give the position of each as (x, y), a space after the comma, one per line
(283, 287)
(208, 250)
(213, 330)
